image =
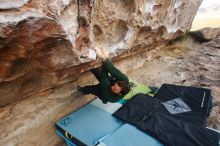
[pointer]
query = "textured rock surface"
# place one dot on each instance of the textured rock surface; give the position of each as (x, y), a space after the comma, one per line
(43, 42)
(207, 33)
(31, 122)
(46, 45)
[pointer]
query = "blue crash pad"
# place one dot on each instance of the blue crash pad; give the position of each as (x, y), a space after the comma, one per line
(94, 124)
(128, 135)
(89, 124)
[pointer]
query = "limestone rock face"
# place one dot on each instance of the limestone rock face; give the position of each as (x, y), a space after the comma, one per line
(209, 33)
(44, 43)
(31, 121)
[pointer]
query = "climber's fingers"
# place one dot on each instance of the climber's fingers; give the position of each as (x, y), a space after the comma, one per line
(99, 53)
(105, 52)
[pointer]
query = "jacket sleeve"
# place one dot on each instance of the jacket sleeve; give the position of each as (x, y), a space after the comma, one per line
(115, 99)
(115, 73)
(104, 101)
(111, 99)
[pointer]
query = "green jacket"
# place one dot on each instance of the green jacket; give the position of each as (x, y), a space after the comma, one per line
(106, 82)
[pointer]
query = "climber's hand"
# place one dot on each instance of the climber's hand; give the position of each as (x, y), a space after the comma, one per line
(100, 53)
(106, 53)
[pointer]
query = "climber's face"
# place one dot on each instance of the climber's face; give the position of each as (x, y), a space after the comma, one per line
(116, 88)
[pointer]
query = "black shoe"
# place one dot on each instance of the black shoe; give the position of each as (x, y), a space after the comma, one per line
(79, 89)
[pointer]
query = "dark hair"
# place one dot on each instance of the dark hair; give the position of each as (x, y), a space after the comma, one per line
(124, 85)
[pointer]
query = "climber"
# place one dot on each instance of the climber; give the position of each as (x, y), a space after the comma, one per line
(116, 86)
(113, 84)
